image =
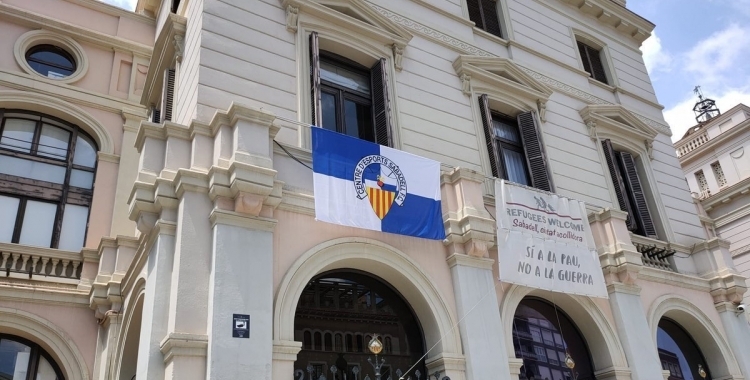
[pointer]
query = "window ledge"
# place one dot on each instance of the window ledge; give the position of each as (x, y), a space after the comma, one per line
(490, 36)
(605, 86)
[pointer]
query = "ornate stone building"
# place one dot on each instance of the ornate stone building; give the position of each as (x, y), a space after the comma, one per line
(157, 201)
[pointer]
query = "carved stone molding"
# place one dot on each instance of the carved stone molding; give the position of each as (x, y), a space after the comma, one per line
(179, 47)
(292, 15)
(398, 56)
(432, 33)
(591, 126)
(466, 84)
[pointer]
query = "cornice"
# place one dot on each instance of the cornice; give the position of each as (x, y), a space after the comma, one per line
(674, 279)
(35, 20)
(70, 93)
(600, 116)
(725, 196)
(163, 57)
(470, 261)
(32, 293)
(618, 17)
(486, 68)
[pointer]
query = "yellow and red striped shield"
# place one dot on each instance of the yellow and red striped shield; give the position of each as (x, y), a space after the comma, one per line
(380, 200)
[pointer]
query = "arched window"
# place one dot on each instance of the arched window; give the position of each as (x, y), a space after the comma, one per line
(678, 352)
(355, 324)
(46, 180)
(21, 359)
(543, 336)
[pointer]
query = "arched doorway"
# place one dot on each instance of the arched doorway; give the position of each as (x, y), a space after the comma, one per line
(132, 333)
(679, 354)
(23, 359)
(543, 336)
(338, 313)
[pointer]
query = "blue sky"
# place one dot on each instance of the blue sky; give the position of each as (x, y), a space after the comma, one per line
(696, 42)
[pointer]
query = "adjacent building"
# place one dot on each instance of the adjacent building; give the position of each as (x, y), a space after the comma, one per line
(712, 155)
(158, 208)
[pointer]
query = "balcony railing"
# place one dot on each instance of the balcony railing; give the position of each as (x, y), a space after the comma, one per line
(655, 253)
(43, 264)
(692, 144)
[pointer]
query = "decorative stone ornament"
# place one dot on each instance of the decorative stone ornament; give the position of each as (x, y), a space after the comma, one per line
(542, 108)
(466, 84)
(292, 15)
(179, 47)
(398, 56)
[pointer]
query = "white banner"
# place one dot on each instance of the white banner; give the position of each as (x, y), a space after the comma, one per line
(545, 242)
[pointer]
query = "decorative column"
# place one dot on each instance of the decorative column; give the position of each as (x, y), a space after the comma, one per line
(621, 263)
(470, 232)
(714, 261)
(240, 308)
(127, 172)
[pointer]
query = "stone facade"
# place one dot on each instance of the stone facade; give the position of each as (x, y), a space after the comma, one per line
(206, 210)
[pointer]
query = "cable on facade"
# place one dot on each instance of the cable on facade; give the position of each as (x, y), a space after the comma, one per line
(292, 156)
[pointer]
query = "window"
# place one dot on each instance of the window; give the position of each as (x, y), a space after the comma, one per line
(51, 61)
(629, 190)
(46, 180)
(592, 61)
(484, 13)
(719, 173)
(21, 359)
(680, 353)
(349, 98)
(700, 177)
(175, 6)
(516, 152)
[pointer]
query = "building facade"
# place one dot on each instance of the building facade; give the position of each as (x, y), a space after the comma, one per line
(158, 208)
(712, 155)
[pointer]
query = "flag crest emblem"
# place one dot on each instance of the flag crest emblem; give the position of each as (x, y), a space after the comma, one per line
(361, 184)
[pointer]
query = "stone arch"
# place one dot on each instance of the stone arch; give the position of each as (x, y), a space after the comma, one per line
(602, 340)
(131, 324)
(705, 333)
(55, 107)
(384, 261)
(50, 337)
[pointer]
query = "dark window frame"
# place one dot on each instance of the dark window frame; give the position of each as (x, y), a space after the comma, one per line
(478, 14)
(54, 49)
(593, 61)
(47, 192)
(503, 144)
(341, 93)
(36, 352)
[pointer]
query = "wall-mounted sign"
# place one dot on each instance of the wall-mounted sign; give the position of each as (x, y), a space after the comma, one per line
(241, 326)
(545, 241)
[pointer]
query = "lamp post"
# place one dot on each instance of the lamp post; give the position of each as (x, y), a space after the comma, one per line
(375, 346)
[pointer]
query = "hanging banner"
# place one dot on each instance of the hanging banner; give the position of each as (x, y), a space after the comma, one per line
(544, 241)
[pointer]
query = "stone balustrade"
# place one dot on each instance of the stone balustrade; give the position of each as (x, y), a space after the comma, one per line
(41, 264)
(654, 253)
(688, 146)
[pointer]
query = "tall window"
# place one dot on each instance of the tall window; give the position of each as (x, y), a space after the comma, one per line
(46, 180)
(484, 13)
(700, 177)
(592, 61)
(719, 174)
(629, 190)
(21, 359)
(678, 352)
(543, 337)
(515, 148)
(349, 98)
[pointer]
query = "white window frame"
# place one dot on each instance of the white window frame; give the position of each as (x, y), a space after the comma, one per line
(605, 55)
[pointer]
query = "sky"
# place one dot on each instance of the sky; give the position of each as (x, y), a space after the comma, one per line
(696, 43)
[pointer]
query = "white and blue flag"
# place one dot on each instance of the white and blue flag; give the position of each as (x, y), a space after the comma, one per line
(366, 185)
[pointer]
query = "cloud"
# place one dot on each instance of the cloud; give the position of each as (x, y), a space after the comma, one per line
(713, 58)
(681, 116)
(124, 4)
(654, 56)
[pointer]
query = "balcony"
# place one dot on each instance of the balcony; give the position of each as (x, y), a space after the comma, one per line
(687, 146)
(654, 253)
(40, 264)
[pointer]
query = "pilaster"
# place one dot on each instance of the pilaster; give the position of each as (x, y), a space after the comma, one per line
(127, 172)
(621, 264)
(470, 232)
(737, 332)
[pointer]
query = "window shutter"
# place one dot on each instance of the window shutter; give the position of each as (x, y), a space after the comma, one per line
(155, 115)
(489, 135)
(380, 105)
(475, 13)
(633, 182)
(597, 67)
(167, 95)
(620, 190)
(535, 155)
(491, 21)
(584, 56)
(317, 115)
